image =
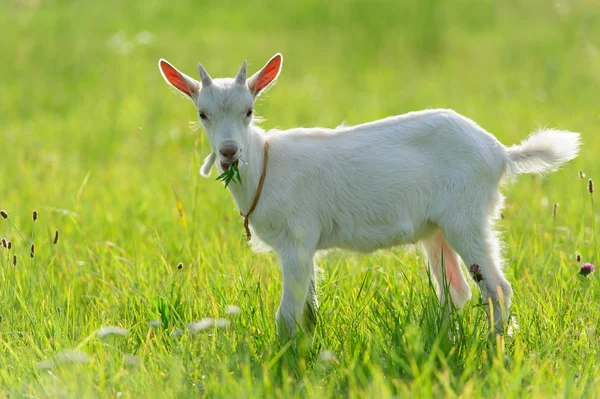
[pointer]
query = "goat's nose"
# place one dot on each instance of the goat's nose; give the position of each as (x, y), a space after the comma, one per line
(228, 151)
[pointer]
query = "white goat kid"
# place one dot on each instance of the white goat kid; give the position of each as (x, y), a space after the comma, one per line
(430, 176)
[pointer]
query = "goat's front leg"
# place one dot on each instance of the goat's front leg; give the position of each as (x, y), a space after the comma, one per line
(298, 274)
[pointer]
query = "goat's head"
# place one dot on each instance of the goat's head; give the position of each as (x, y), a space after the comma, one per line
(225, 106)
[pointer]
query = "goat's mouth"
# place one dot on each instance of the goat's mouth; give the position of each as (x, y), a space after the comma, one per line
(226, 165)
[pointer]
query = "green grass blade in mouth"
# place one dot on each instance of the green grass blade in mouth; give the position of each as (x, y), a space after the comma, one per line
(230, 175)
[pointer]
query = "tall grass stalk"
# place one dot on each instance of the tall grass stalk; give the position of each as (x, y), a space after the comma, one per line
(591, 192)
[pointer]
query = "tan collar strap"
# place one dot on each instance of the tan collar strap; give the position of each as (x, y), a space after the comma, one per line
(258, 191)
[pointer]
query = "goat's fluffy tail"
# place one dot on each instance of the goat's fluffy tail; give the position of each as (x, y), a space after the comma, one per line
(543, 151)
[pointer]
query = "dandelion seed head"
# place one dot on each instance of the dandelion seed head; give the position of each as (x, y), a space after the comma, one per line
(72, 356)
(233, 309)
(326, 355)
(176, 334)
(46, 365)
(222, 323)
(201, 325)
(108, 331)
(64, 357)
(155, 324)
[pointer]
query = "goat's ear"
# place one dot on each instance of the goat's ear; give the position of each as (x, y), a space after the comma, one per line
(263, 78)
(207, 165)
(188, 86)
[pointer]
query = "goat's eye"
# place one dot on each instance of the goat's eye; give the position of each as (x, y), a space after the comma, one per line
(249, 113)
(203, 116)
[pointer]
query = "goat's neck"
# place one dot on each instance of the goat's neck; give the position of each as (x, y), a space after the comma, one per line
(250, 167)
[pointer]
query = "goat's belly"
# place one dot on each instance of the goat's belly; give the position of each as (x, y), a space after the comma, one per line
(373, 237)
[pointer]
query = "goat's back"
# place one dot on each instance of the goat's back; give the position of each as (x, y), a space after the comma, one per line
(400, 170)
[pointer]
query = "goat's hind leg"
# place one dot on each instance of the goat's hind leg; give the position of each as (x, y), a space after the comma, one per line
(445, 267)
(477, 244)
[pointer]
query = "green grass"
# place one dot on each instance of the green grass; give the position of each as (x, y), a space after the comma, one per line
(94, 140)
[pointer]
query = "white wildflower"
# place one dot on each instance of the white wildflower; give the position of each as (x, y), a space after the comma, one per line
(513, 326)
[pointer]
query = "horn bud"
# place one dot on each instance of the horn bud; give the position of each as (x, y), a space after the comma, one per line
(204, 76)
(241, 76)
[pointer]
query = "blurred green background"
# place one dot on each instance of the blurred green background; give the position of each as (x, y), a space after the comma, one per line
(93, 138)
(80, 90)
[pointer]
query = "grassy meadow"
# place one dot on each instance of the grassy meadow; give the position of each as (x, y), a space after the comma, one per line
(94, 140)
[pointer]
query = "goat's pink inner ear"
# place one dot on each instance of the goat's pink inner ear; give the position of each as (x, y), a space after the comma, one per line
(174, 78)
(268, 73)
